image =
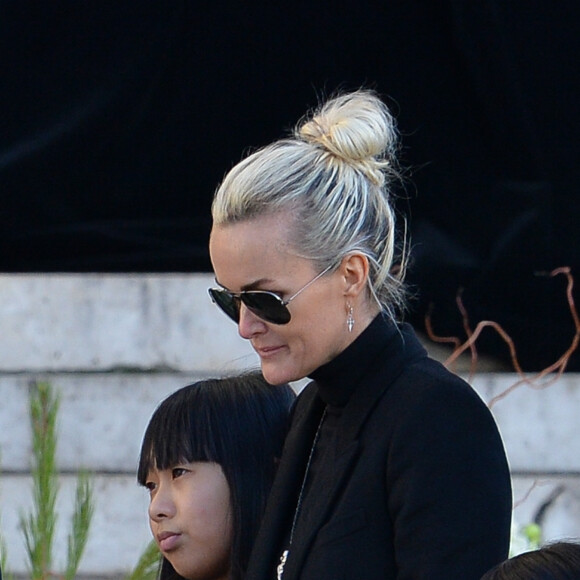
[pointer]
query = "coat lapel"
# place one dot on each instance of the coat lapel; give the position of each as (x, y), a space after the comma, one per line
(326, 489)
(282, 500)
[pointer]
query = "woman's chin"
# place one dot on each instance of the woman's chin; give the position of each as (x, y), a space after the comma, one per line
(277, 375)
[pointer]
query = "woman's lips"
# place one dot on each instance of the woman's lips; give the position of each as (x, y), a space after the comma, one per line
(167, 541)
(268, 351)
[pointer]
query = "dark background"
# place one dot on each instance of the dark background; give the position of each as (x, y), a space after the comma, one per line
(119, 119)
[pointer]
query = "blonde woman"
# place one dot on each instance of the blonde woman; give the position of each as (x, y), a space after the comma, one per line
(393, 467)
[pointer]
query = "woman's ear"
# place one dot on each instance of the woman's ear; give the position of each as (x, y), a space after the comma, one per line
(355, 270)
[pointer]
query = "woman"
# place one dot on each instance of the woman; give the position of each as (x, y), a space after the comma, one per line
(558, 561)
(393, 467)
(208, 459)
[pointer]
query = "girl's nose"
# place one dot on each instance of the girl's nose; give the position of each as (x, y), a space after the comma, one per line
(161, 505)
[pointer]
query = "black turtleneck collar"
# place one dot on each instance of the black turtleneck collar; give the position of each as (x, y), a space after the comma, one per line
(339, 378)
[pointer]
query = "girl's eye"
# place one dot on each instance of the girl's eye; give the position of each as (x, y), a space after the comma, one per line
(150, 486)
(178, 472)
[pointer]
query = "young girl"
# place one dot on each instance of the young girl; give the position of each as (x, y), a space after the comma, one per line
(208, 458)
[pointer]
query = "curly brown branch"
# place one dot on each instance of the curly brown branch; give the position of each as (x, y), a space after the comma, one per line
(557, 368)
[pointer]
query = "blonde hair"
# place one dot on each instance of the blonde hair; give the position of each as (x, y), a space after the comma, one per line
(334, 177)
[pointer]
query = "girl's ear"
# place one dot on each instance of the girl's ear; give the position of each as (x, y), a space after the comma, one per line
(355, 271)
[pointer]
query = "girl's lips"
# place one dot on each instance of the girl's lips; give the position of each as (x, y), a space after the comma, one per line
(167, 541)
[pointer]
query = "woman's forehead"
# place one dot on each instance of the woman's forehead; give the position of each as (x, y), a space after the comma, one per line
(252, 250)
(260, 230)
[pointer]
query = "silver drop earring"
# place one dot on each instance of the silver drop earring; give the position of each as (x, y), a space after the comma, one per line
(350, 319)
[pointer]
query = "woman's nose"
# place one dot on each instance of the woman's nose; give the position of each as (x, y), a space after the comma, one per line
(249, 324)
(161, 505)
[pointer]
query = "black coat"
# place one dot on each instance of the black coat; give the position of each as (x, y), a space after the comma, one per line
(415, 484)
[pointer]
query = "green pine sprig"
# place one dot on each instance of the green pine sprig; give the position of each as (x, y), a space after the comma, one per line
(81, 523)
(147, 568)
(38, 526)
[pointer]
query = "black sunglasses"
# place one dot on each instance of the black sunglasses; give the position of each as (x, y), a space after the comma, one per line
(266, 305)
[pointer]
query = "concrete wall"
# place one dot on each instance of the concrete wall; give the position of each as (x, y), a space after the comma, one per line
(114, 346)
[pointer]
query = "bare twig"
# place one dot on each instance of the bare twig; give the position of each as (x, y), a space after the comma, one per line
(455, 341)
(468, 332)
(558, 367)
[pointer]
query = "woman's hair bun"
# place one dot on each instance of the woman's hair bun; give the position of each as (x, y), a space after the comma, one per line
(356, 128)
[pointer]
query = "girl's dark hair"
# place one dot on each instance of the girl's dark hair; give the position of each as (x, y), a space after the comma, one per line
(557, 561)
(239, 422)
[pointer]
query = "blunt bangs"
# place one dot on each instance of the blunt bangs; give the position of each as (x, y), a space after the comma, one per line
(182, 430)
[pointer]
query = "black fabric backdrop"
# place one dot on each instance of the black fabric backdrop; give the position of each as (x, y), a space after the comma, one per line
(118, 120)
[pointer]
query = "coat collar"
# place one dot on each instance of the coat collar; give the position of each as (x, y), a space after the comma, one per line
(337, 380)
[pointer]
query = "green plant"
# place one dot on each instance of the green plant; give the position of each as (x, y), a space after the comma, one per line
(39, 525)
(5, 575)
(148, 565)
(3, 558)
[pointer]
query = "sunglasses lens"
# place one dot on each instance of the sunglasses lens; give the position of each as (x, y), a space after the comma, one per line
(228, 303)
(267, 306)
(263, 304)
